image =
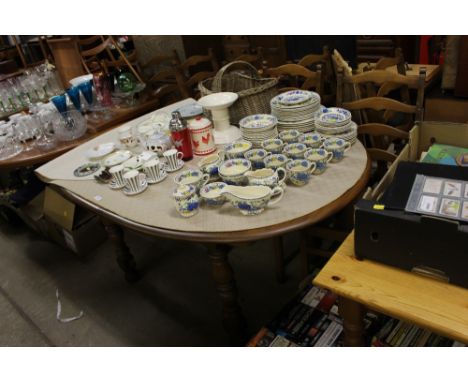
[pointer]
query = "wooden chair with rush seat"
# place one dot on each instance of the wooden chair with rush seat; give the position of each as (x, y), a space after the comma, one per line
(295, 76)
(159, 74)
(193, 70)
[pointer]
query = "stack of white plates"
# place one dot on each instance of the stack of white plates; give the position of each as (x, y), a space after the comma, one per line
(336, 122)
(296, 109)
(258, 127)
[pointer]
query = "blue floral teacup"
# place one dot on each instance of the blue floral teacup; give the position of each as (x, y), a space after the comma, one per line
(337, 146)
(320, 157)
(300, 171)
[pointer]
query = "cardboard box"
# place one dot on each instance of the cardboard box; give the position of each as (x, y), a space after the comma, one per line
(428, 245)
(71, 226)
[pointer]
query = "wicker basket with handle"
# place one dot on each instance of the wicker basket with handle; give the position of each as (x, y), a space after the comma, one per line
(254, 92)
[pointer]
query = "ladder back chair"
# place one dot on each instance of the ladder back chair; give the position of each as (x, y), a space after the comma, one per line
(297, 77)
(188, 76)
(160, 75)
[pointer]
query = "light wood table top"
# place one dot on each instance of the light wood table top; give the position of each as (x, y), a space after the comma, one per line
(413, 71)
(431, 304)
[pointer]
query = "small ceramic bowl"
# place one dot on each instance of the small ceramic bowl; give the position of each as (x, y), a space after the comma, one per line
(192, 177)
(337, 146)
(256, 156)
(209, 165)
(212, 195)
(311, 140)
(233, 171)
(320, 157)
(290, 136)
(237, 149)
(300, 171)
(295, 150)
(274, 146)
(274, 161)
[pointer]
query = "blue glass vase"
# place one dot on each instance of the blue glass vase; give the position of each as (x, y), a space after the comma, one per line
(74, 94)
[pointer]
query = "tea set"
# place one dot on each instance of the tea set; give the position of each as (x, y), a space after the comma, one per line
(251, 177)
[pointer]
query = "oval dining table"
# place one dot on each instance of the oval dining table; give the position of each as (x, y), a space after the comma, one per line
(153, 213)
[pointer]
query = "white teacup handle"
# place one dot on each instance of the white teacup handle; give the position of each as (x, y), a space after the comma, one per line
(179, 155)
(347, 146)
(330, 156)
(205, 178)
(314, 166)
(221, 155)
(276, 195)
(281, 178)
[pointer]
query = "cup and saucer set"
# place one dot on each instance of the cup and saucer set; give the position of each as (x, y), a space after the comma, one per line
(131, 182)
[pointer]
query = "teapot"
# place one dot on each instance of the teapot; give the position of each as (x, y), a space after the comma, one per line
(158, 143)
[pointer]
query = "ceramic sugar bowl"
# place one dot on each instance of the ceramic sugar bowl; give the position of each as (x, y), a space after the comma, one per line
(320, 157)
(212, 194)
(186, 200)
(252, 200)
(300, 171)
(267, 177)
(233, 171)
(337, 146)
(210, 164)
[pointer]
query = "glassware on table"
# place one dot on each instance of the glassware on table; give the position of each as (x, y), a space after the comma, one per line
(102, 85)
(60, 102)
(74, 95)
(69, 125)
(9, 145)
(86, 89)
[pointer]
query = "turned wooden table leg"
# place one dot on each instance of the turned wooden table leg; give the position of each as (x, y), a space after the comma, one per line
(280, 264)
(124, 256)
(352, 313)
(233, 320)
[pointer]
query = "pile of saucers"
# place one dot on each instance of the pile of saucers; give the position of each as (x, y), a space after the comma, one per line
(336, 122)
(296, 109)
(258, 127)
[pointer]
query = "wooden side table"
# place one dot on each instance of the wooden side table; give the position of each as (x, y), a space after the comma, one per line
(429, 303)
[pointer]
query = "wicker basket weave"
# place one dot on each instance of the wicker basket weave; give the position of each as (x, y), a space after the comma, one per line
(254, 92)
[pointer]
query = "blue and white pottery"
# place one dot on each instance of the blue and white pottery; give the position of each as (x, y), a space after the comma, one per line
(233, 171)
(258, 122)
(290, 136)
(337, 146)
(192, 177)
(295, 150)
(274, 146)
(300, 171)
(252, 200)
(274, 161)
(186, 200)
(344, 112)
(209, 165)
(320, 157)
(237, 149)
(256, 157)
(311, 140)
(267, 177)
(212, 194)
